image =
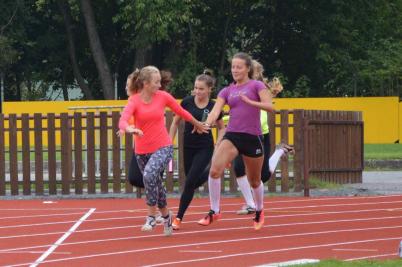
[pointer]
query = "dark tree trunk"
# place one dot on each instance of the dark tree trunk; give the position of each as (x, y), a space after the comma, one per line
(64, 86)
(18, 87)
(65, 10)
(142, 57)
(95, 44)
(224, 39)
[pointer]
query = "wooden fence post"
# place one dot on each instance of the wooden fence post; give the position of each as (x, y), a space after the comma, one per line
(116, 153)
(26, 154)
(13, 153)
(2, 158)
(129, 150)
(284, 161)
(298, 146)
(169, 175)
(38, 154)
(91, 179)
(180, 142)
(51, 153)
(66, 163)
(78, 182)
(103, 151)
(306, 167)
(272, 134)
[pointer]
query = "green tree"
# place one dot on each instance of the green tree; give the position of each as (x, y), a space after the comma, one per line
(324, 48)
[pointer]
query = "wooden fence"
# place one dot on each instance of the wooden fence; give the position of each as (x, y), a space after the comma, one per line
(333, 146)
(92, 159)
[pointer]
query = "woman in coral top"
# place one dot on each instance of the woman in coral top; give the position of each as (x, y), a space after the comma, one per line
(153, 146)
(135, 177)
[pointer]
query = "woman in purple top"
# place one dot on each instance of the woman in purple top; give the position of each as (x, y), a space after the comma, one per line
(245, 98)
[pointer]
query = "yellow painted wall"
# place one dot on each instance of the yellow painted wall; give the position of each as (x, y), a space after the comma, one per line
(400, 122)
(382, 115)
(56, 106)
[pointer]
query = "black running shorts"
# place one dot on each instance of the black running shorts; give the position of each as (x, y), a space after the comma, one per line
(247, 144)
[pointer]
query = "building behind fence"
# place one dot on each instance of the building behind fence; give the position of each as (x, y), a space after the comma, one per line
(92, 159)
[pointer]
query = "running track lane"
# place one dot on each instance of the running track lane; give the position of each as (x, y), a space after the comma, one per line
(317, 228)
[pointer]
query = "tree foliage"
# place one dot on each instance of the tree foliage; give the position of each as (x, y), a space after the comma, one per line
(318, 48)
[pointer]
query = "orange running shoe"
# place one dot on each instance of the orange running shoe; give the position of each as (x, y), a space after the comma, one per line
(176, 223)
(211, 216)
(258, 219)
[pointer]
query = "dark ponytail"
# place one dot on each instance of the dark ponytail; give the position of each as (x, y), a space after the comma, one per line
(207, 77)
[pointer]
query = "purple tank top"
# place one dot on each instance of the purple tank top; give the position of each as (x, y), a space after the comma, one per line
(243, 118)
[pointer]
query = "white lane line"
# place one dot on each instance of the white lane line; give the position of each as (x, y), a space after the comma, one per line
(40, 209)
(31, 252)
(339, 204)
(273, 209)
(194, 213)
(311, 199)
(290, 263)
(213, 258)
(318, 199)
(40, 215)
(267, 251)
(281, 208)
(212, 242)
(191, 222)
(287, 209)
(208, 230)
(61, 239)
(373, 257)
(354, 249)
(200, 251)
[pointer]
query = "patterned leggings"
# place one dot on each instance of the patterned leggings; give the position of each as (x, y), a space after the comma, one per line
(151, 166)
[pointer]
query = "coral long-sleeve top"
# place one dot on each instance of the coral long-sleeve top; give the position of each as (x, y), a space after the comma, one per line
(150, 119)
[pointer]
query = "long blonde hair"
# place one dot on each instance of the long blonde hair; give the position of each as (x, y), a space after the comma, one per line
(139, 76)
(275, 86)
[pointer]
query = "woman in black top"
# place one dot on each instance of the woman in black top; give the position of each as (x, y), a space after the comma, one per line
(198, 148)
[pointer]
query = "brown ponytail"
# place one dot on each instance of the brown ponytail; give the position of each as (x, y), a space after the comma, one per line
(138, 77)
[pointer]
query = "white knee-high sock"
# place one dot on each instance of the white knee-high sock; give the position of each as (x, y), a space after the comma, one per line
(274, 159)
(245, 189)
(258, 194)
(214, 193)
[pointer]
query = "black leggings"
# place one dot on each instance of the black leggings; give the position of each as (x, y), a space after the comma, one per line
(135, 177)
(196, 167)
(240, 169)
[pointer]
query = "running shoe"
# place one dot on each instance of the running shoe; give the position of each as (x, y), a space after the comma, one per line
(167, 225)
(159, 219)
(209, 218)
(176, 223)
(149, 225)
(258, 219)
(245, 210)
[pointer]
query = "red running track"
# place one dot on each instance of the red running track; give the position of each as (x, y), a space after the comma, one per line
(106, 232)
